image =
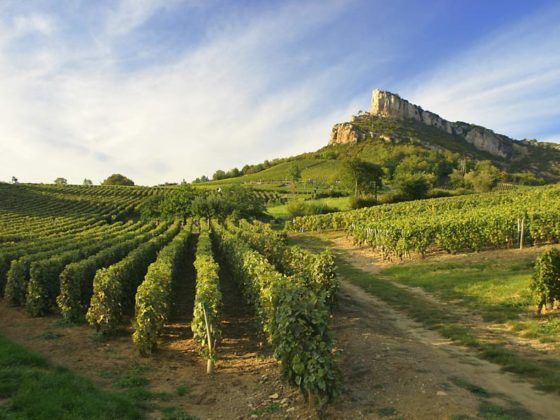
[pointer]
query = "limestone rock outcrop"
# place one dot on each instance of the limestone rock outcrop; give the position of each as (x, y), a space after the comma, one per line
(345, 133)
(389, 105)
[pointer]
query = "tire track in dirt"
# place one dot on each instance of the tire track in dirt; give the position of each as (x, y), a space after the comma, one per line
(393, 363)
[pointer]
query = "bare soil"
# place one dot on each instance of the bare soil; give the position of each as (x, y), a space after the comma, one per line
(395, 365)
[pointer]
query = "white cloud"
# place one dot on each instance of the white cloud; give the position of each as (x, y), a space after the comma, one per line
(77, 114)
(29, 24)
(509, 81)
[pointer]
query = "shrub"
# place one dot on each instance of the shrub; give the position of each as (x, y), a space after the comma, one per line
(545, 283)
(360, 201)
(296, 208)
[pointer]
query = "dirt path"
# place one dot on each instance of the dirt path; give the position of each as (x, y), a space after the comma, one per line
(393, 366)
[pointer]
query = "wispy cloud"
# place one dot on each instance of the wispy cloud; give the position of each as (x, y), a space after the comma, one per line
(78, 113)
(508, 81)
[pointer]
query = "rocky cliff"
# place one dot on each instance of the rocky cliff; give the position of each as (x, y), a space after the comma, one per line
(389, 105)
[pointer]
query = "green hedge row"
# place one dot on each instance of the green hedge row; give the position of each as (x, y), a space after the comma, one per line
(294, 316)
(114, 287)
(153, 297)
(17, 277)
(207, 294)
(318, 270)
(76, 280)
(44, 275)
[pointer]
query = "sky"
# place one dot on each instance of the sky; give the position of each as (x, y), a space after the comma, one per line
(166, 90)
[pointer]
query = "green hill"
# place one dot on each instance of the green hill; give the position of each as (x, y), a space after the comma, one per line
(400, 144)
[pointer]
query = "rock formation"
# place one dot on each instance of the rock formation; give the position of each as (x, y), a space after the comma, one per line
(345, 133)
(389, 105)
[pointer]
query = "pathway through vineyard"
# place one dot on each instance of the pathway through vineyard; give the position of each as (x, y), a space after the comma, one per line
(394, 367)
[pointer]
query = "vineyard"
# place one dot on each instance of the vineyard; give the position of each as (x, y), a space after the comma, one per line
(89, 258)
(85, 254)
(504, 219)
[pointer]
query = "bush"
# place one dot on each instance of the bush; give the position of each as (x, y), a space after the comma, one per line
(545, 283)
(360, 201)
(413, 186)
(301, 208)
(296, 208)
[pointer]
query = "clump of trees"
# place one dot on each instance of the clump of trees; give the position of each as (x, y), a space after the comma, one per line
(118, 179)
(185, 201)
(60, 181)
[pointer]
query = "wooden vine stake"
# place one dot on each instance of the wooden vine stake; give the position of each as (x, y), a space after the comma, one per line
(210, 363)
(522, 233)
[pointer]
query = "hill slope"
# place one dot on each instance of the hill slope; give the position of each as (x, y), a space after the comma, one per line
(396, 132)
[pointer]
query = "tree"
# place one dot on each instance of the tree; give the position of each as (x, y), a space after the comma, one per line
(118, 179)
(87, 182)
(413, 186)
(365, 177)
(14, 180)
(219, 174)
(295, 174)
(484, 177)
(178, 203)
(61, 181)
(233, 173)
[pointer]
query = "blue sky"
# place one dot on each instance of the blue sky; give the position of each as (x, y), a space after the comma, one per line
(162, 90)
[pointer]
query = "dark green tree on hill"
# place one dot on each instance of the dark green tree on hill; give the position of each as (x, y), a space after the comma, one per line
(61, 181)
(364, 177)
(118, 179)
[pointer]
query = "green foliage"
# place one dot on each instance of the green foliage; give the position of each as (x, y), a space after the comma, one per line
(360, 201)
(219, 174)
(153, 297)
(177, 203)
(364, 177)
(484, 177)
(76, 280)
(114, 287)
(464, 223)
(299, 207)
(295, 173)
(545, 283)
(60, 181)
(317, 270)
(293, 316)
(208, 295)
(16, 284)
(118, 179)
(413, 186)
(185, 201)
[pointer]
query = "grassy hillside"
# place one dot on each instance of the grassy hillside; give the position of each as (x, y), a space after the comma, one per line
(389, 143)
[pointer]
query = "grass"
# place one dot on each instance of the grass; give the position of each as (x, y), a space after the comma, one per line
(339, 203)
(497, 290)
(34, 388)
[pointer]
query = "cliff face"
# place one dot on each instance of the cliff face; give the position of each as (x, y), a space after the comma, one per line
(389, 105)
(345, 133)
